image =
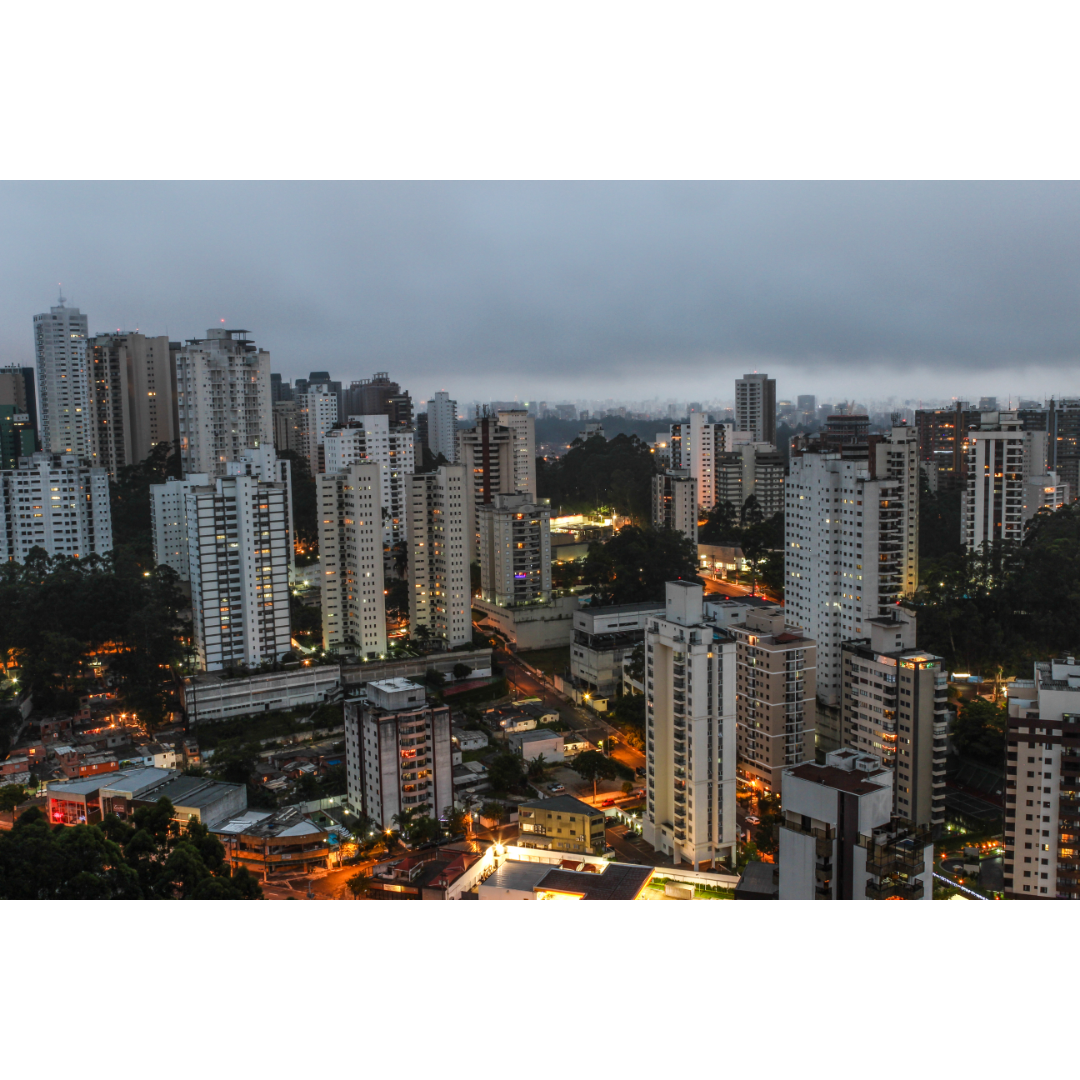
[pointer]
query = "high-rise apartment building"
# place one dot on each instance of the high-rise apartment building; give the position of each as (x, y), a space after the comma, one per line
(442, 426)
(690, 732)
(1042, 784)
(168, 517)
(17, 388)
(132, 403)
(806, 408)
(439, 589)
(238, 558)
(288, 434)
(515, 550)
(379, 396)
(487, 452)
(1001, 459)
(674, 502)
(943, 443)
(373, 438)
(523, 428)
(755, 407)
(223, 400)
(750, 471)
(696, 445)
(56, 503)
(351, 554)
(318, 414)
(63, 379)
(850, 540)
(895, 705)
(775, 684)
(839, 839)
(398, 753)
(1063, 442)
(263, 463)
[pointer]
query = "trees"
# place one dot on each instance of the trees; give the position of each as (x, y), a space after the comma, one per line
(535, 768)
(592, 766)
(462, 671)
(492, 810)
(436, 680)
(721, 526)
(10, 797)
(635, 564)
(507, 773)
(151, 858)
(978, 734)
(359, 885)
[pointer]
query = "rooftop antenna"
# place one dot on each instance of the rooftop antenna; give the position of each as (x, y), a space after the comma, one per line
(60, 286)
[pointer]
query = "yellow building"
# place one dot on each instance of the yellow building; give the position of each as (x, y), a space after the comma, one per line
(562, 823)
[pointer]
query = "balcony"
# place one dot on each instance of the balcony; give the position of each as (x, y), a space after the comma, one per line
(894, 890)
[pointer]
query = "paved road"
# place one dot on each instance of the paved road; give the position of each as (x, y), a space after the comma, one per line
(733, 590)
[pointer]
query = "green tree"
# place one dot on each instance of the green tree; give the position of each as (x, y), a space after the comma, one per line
(535, 768)
(462, 671)
(978, 733)
(636, 563)
(360, 885)
(721, 526)
(506, 773)
(592, 767)
(10, 797)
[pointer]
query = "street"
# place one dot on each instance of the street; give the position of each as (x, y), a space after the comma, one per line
(714, 585)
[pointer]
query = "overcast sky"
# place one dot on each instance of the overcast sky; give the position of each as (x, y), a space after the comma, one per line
(563, 291)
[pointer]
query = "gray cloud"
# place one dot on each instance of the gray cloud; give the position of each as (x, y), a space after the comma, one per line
(575, 289)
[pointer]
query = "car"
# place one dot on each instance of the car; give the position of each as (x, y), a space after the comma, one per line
(640, 770)
(640, 793)
(752, 820)
(556, 787)
(608, 802)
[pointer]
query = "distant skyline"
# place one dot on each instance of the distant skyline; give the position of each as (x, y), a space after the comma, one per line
(569, 291)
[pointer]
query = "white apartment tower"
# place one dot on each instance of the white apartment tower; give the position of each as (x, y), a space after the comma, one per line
(223, 400)
(1002, 460)
(132, 405)
(442, 425)
(398, 753)
(515, 550)
(238, 557)
(755, 407)
(53, 502)
(372, 438)
(839, 839)
(851, 541)
(318, 414)
(63, 382)
(690, 732)
(750, 470)
(523, 428)
(439, 592)
(1042, 784)
(674, 502)
(351, 554)
(696, 446)
(168, 516)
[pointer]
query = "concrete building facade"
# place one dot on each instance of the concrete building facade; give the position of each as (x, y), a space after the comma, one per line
(522, 427)
(674, 502)
(515, 550)
(895, 706)
(442, 426)
(1042, 784)
(690, 732)
(775, 686)
(398, 753)
(351, 556)
(755, 407)
(439, 582)
(238, 558)
(223, 400)
(56, 503)
(839, 839)
(132, 397)
(850, 541)
(63, 382)
(604, 637)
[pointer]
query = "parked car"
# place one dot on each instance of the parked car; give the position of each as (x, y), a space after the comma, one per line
(640, 793)
(640, 770)
(556, 787)
(751, 819)
(608, 802)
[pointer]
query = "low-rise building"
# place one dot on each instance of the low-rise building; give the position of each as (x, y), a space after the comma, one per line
(466, 740)
(87, 801)
(603, 638)
(562, 823)
(219, 696)
(839, 839)
(569, 881)
(446, 873)
(270, 843)
(543, 742)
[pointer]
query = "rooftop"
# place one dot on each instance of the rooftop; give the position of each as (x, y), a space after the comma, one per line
(855, 783)
(396, 685)
(565, 804)
(616, 881)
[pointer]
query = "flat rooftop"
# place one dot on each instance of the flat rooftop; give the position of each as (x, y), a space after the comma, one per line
(616, 881)
(856, 783)
(396, 685)
(565, 804)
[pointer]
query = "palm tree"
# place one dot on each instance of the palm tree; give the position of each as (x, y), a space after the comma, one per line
(536, 767)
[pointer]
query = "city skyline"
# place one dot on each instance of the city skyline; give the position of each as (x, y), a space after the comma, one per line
(575, 291)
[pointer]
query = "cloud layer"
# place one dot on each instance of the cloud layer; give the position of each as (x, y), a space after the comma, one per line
(575, 289)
